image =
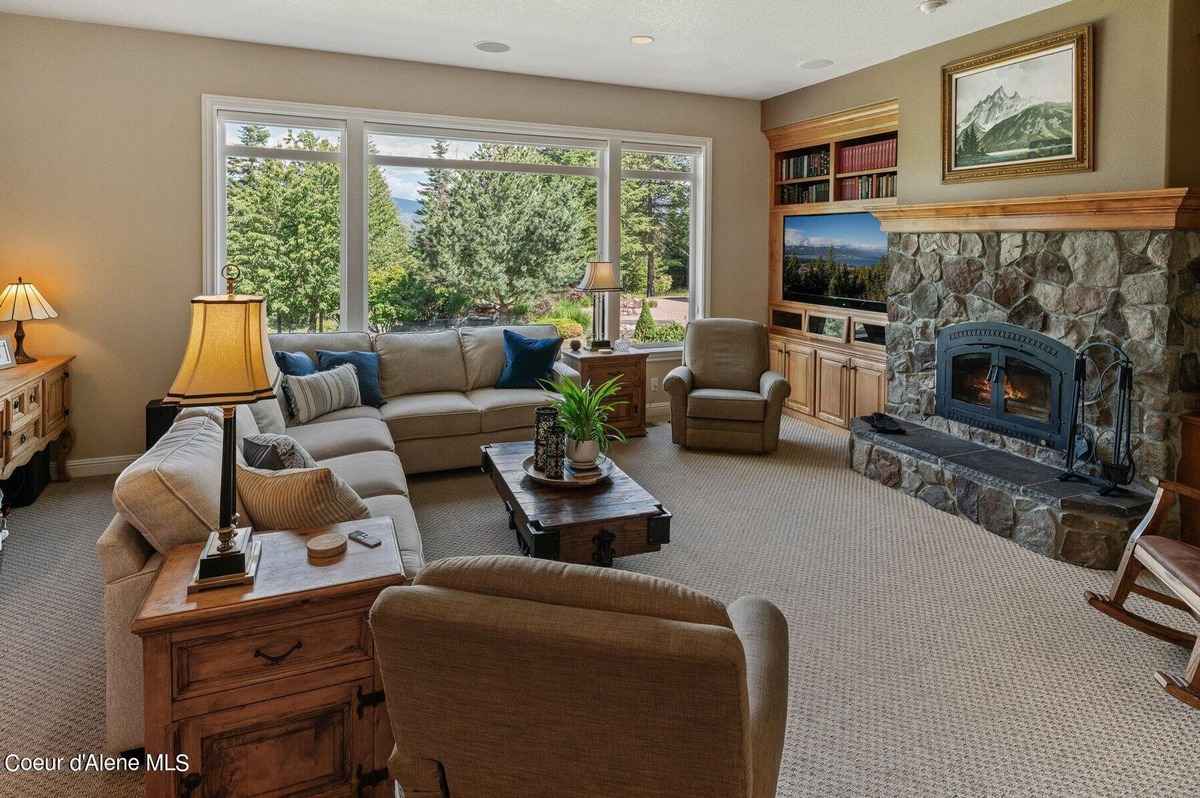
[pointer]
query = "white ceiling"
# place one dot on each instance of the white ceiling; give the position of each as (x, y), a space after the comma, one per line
(737, 48)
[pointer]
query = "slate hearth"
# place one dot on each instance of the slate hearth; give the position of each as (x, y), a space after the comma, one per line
(1009, 495)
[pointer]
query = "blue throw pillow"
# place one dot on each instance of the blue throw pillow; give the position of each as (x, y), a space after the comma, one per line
(527, 360)
(295, 364)
(367, 366)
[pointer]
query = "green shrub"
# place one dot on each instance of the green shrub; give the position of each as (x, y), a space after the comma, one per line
(646, 326)
(567, 328)
(648, 331)
(579, 311)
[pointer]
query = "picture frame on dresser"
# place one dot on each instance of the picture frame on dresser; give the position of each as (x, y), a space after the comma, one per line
(7, 360)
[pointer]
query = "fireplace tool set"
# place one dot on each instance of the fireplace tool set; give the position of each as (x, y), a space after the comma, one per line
(1113, 386)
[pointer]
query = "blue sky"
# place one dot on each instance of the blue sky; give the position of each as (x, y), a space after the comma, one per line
(860, 230)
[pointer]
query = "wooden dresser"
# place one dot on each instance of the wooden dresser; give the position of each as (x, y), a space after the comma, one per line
(35, 410)
(596, 367)
(271, 689)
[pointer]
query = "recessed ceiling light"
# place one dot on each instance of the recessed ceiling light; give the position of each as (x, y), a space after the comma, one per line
(929, 6)
(641, 38)
(816, 63)
(492, 47)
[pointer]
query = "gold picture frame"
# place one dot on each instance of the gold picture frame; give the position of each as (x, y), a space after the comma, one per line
(985, 130)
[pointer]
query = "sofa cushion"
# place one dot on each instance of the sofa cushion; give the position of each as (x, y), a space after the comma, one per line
(568, 585)
(366, 368)
(431, 415)
(483, 350)
(297, 498)
(268, 413)
(420, 363)
(335, 438)
(726, 403)
(369, 473)
(309, 343)
(317, 394)
(527, 361)
(408, 538)
(171, 493)
(507, 408)
(359, 411)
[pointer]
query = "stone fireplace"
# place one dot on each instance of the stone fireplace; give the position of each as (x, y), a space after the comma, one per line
(980, 346)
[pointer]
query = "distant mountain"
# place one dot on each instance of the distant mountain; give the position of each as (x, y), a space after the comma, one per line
(993, 109)
(408, 211)
(1038, 126)
(849, 255)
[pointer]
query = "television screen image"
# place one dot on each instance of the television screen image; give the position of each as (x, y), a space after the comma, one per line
(837, 259)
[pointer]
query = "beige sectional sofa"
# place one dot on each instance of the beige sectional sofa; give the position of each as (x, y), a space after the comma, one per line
(441, 406)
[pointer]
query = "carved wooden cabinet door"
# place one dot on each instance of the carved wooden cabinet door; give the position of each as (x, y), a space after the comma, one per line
(801, 361)
(318, 743)
(56, 401)
(869, 386)
(833, 388)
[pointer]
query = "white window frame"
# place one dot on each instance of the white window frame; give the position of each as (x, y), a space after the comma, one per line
(357, 123)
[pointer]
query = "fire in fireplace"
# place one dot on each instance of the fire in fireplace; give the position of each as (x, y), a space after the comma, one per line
(1006, 379)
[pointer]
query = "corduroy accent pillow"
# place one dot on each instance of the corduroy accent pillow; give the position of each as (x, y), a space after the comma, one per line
(297, 498)
(275, 452)
(317, 394)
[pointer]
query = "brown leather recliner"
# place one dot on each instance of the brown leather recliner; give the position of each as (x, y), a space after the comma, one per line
(725, 396)
(508, 676)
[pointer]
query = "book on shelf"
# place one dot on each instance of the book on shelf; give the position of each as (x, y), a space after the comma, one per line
(867, 187)
(814, 163)
(867, 156)
(802, 193)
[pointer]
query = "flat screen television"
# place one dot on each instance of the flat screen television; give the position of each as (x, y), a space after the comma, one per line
(837, 259)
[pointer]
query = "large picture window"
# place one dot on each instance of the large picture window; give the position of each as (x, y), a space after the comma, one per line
(352, 219)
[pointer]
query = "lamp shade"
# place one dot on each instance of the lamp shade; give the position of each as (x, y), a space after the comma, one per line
(600, 276)
(21, 301)
(228, 359)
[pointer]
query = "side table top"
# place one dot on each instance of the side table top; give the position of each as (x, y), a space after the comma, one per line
(587, 354)
(285, 577)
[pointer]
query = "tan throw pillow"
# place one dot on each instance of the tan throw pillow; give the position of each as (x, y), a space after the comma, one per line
(317, 394)
(297, 498)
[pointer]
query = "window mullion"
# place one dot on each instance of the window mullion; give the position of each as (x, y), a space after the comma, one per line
(354, 237)
(612, 186)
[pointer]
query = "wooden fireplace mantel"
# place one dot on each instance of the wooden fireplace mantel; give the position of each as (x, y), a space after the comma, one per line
(1154, 209)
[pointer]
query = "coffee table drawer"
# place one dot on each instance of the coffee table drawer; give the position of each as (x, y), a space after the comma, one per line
(221, 662)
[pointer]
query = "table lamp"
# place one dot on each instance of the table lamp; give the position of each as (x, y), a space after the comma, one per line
(22, 302)
(599, 280)
(228, 362)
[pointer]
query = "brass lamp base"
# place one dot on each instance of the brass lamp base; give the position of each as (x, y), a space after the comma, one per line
(237, 565)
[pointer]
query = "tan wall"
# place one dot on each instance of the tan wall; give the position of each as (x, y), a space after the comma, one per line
(100, 172)
(1131, 101)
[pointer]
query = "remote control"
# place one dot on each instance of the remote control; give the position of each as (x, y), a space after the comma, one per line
(358, 536)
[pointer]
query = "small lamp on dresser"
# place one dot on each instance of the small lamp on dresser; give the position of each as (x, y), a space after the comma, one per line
(599, 280)
(22, 302)
(228, 362)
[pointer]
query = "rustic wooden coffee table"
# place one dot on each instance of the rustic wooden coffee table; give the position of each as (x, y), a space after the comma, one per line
(589, 525)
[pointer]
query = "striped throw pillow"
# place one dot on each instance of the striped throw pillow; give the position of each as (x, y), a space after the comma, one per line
(317, 394)
(297, 498)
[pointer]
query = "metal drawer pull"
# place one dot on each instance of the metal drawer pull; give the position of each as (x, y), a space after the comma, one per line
(275, 660)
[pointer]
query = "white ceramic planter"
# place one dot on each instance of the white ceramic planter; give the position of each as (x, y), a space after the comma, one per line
(582, 453)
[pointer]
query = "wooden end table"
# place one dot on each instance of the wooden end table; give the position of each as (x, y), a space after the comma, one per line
(589, 525)
(629, 414)
(270, 688)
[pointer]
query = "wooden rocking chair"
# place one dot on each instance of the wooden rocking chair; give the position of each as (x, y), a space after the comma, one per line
(1176, 563)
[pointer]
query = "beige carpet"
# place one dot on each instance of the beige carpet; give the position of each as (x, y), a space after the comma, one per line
(929, 658)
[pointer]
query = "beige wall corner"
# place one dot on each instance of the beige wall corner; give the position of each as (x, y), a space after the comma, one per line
(101, 178)
(1131, 70)
(1183, 124)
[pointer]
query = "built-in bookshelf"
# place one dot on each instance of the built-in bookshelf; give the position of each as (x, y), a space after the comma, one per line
(842, 162)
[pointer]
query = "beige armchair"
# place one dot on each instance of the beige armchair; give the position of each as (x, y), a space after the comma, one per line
(508, 676)
(725, 396)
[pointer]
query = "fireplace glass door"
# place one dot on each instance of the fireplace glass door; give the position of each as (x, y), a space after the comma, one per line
(971, 371)
(1027, 390)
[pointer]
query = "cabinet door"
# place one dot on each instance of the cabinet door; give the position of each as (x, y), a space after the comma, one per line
(833, 388)
(317, 743)
(55, 401)
(778, 355)
(800, 364)
(869, 388)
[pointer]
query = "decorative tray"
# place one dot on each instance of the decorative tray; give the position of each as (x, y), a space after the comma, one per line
(571, 477)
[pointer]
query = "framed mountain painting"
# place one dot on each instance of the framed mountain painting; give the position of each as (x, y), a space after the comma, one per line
(1020, 111)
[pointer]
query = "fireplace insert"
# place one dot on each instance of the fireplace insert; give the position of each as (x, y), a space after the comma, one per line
(1006, 379)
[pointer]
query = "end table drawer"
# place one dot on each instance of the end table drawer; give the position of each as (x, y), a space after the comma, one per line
(229, 660)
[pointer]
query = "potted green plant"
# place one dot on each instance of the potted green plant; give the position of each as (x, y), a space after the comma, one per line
(583, 411)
